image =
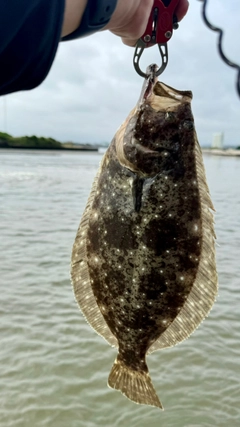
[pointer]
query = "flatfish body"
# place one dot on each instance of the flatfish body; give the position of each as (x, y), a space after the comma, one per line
(143, 262)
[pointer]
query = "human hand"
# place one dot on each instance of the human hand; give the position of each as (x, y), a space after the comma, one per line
(130, 18)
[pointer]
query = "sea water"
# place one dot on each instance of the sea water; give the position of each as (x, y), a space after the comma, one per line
(53, 366)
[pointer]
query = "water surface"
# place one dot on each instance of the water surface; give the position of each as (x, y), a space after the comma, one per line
(53, 366)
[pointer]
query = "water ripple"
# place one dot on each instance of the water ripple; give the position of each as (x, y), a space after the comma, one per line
(53, 366)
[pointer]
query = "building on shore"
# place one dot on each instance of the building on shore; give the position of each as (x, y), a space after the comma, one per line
(218, 140)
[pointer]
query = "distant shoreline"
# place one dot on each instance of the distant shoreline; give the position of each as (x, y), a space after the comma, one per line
(228, 152)
(50, 148)
(41, 143)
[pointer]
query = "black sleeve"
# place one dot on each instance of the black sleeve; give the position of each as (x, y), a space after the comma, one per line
(30, 31)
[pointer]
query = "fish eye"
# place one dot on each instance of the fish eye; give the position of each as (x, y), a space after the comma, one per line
(188, 125)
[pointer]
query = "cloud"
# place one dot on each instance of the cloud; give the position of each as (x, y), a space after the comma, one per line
(92, 85)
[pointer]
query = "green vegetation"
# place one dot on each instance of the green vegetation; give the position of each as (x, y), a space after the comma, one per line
(8, 141)
(5, 136)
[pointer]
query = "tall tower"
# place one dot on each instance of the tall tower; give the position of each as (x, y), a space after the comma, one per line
(218, 139)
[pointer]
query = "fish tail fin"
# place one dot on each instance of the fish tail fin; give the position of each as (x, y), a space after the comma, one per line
(136, 385)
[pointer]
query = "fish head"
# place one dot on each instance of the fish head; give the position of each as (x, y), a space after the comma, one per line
(155, 129)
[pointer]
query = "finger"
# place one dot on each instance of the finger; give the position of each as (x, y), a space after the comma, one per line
(182, 9)
(129, 42)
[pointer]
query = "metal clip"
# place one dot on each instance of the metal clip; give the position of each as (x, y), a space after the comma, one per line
(159, 30)
(138, 53)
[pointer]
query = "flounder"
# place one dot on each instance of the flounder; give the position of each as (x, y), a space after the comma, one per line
(143, 262)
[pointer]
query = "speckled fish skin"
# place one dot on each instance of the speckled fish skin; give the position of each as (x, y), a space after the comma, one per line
(143, 263)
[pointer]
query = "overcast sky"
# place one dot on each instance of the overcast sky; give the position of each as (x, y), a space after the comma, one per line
(92, 85)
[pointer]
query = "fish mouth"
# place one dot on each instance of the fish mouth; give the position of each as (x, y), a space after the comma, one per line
(151, 87)
(148, 84)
